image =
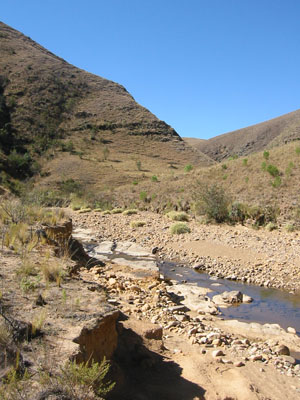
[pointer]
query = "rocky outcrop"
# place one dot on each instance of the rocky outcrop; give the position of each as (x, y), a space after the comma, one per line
(98, 337)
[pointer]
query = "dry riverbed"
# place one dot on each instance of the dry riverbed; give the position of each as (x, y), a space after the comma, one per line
(227, 359)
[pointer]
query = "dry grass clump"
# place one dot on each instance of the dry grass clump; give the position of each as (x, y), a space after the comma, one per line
(52, 272)
(179, 228)
(137, 224)
(130, 211)
(106, 212)
(117, 211)
(178, 216)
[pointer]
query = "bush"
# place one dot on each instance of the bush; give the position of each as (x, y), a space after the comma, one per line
(130, 212)
(143, 196)
(271, 226)
(139, 165)
(154, 178)
(117, 211)
(238, 212)
(245, 162)
(188, 168)
(266, 155)
(214, 203)
(137, 224)
(224, 166)
(274, 171)
(297, 150)
(177, 216)
(179, 228)
(277, 182)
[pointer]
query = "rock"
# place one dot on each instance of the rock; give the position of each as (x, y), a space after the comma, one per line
(239, 364)
(98, 337)
(154, 250)
(291, 330)
(247, 299)
(217, 353)
(289, 359)
(175, 309)
(256, 357)
(40, 300)
(282, 350)
(154, 333)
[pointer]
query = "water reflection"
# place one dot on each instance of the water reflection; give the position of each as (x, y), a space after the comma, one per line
(269, 305)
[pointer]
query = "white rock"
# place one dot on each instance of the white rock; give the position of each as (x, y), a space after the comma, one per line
(217, 353)
(291, 330)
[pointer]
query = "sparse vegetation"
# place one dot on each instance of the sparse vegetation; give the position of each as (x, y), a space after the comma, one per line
(137, 224)
(154, 178)
(188, 168)
(177, 216)
(130, 212)
(213, 202)
(179, 228)
(139, 165)
(273, 170)
(117, 211)
(266, 155)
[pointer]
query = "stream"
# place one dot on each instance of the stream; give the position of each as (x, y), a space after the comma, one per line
(269, 305)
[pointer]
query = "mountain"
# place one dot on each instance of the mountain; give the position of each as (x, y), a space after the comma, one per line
(255, 138)
(48, 106)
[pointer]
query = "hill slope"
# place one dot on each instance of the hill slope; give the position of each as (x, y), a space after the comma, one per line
(45, 103)
(252, 139)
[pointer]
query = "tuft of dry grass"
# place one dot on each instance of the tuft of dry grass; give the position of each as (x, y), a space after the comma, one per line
(177, 216)
(137, 224)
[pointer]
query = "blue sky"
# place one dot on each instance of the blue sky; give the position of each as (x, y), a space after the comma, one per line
(204, 66)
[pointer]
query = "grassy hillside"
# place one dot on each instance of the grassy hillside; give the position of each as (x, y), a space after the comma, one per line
(275, 132)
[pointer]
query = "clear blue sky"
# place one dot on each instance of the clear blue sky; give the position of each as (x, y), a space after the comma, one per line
(204, 66)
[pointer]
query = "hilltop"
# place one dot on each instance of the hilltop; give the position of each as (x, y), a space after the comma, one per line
(255, 138)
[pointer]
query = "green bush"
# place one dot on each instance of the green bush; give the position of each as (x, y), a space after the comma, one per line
(214, 203)
(271, 226)
(188, 168)
(154, 178)
(224, 166)
(143, 196)
(179, 228)
(177, 216)
(277, 182)
(266, 155)
(238, 212)
(245, 162)
(264, 166)
(297, 150)
(274, 171)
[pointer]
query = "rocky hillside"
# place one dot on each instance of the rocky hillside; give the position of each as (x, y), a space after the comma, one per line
(255, 138)
(45, 103)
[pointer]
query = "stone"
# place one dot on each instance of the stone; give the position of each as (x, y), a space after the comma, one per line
(239, 364)
(98, 337)
(217, 353)
(282, 350)
(289, 359)
(247, 299)
(291, 330)
(154, 333)
(40, 300)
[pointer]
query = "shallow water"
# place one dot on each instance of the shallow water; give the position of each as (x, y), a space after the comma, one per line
(269, 305)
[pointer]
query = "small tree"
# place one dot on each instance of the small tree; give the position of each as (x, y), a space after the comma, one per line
(214, 202)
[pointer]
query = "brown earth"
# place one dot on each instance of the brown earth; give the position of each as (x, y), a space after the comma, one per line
(150, 362)
(255, 138)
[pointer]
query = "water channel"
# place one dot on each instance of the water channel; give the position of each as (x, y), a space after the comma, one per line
(268, 306)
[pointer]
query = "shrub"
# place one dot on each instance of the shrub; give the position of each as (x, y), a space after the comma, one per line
(224, 166)
(277, 182)
(179, 228)
(135, 182)
(238, 212)
(106, 153)
(143, 196)
(137, 224)
(297, 150)
(274, 171)
(130, 212)
(264, 166)
(139, 165)
(271, 226)
(214, 203)
(52, 272)
(177, 216)
(154, 178)
(117, 211)
(266, 155)
(188, 168)
(106, 212)
(245, 162)
(290, 227)
(289, 168)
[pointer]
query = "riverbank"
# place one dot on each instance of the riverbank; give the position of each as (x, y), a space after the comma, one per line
(260, 257)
